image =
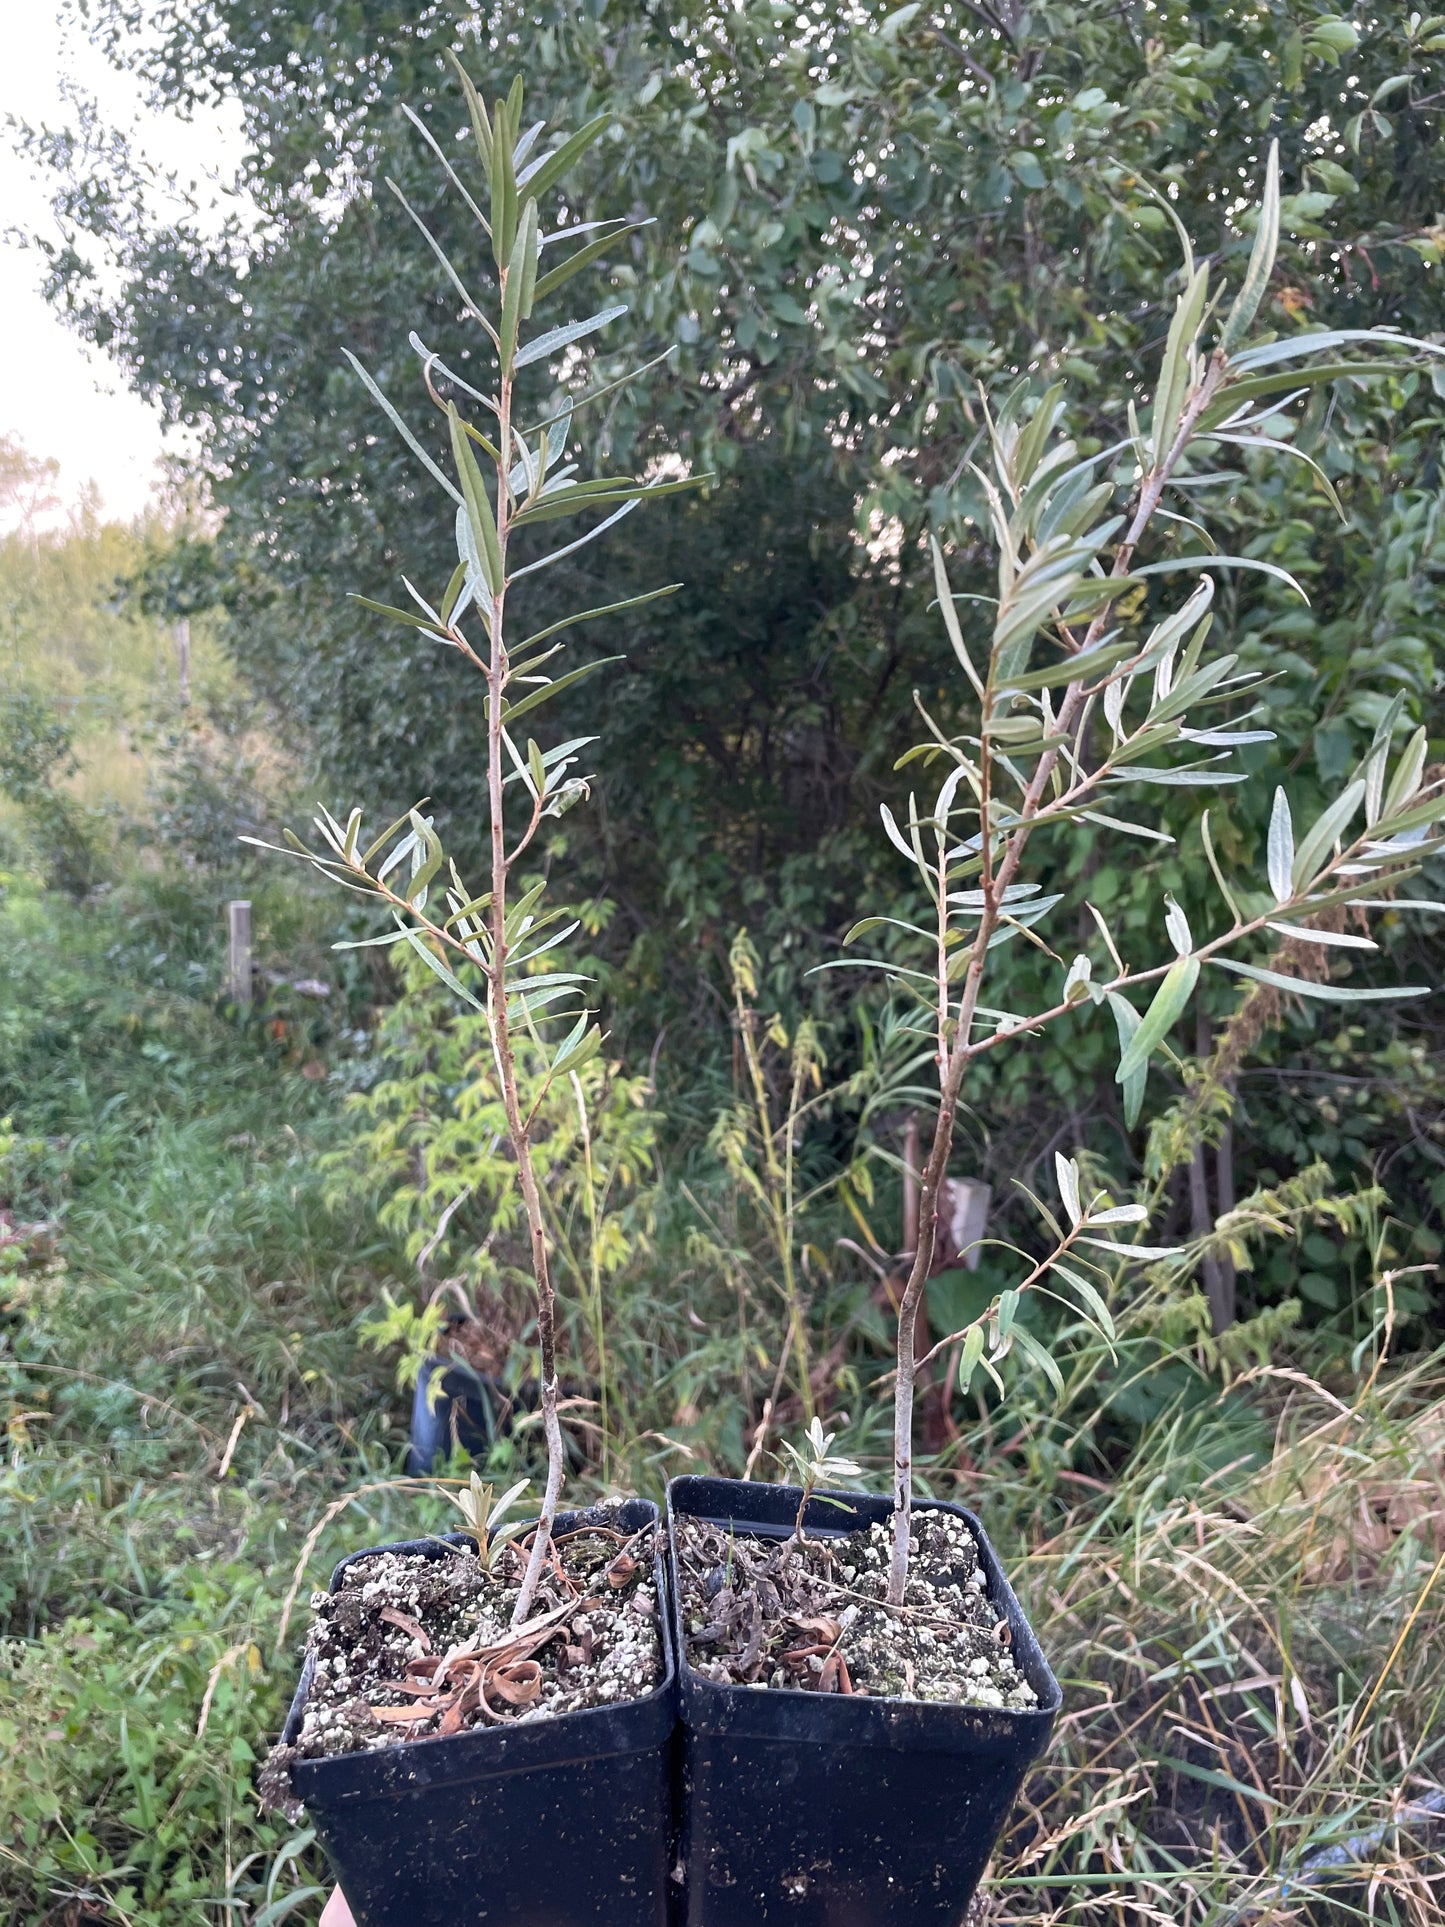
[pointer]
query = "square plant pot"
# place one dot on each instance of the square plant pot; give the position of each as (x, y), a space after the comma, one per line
(828, 1810)
(563, 1822)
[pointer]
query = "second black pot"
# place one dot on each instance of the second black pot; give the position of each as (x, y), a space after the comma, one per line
(565, 1822)
(453, 1405)
(825, 1810)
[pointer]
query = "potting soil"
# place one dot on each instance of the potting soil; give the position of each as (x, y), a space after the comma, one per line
(812, 1615)
(414, 1646)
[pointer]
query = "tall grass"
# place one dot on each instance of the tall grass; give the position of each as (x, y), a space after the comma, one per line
(1236, 1569)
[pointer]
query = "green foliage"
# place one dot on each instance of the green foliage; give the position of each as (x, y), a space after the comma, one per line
(868, 230)
(486, 1522)
(35, 749)
(429, 1145)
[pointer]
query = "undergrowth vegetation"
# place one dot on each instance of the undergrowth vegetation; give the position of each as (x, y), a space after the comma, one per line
(1232, 1549)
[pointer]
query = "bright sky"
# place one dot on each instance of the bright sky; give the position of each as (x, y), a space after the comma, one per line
(60, 397)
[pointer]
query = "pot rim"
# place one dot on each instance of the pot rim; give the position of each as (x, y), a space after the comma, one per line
(788, 1714)
(589, 1732)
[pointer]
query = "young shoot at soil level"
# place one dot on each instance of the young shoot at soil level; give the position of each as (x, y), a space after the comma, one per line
(498, 934)
(1074, 703)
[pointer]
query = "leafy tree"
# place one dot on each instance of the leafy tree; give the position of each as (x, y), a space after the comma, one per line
(903, 208)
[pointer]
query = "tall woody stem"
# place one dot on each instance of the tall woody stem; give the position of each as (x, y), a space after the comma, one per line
(956, 1046)
(518, 1127)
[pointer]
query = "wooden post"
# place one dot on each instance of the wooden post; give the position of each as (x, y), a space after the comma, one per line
(912, 1165)
(183, 659)
(238, 973)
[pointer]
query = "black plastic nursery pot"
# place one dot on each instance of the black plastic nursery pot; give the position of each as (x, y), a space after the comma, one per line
(565, 1822)
(454, 1405)
(826, 1810)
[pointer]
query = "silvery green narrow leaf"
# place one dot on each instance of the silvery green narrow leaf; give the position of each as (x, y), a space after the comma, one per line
(504, 183)
(582, 1053)
(896, 837)
(1033, 439)
(399, 854)
(1249, 441)
(1261, 260)
(1013, 893)
(1177, 924)
(433, 962)
(1226, 738)
(1280, 848)
(1410, 828)
(1175, 563)
(1293, 347)
(532, 997)
(471, 558)
(1409, 774)
(511, 711)
(1194, 686)
(1114, 697)
(420, 600)
(557, 277)
(478, 503)
(370, 943)
(1224, 890)
(1304, 934)
(1041, 1356)
(1320, 839)
(950, 614)
(1174, 371)
(1004, 1312)
(481, 126)
(1193, 776)
(574, 402)
(329, 828)
(379, 843)
(1231, 403)
(1126, 1021)
(1163, 1013)
(1083, 668)
(516, 284)
(943, 807)
(1166, 635)
(548, 943)
(530, 253)
(969, 1355)
(587, 615)
(543, 176)
(1067, 1172)
(1108, 936)
(1127, 829)
(1397, 903)
(1119, 1214)
(1147, 1252)
(454, 602)
(524, 477)
(574, 497)
(421, 127)
(1375, 766)
(401, 428)
(474, 308)
(556, 555)
(1092, 1298)
(527, 142)
(433, 628)
(1327, 993)
(433, 360)
(564, 336)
